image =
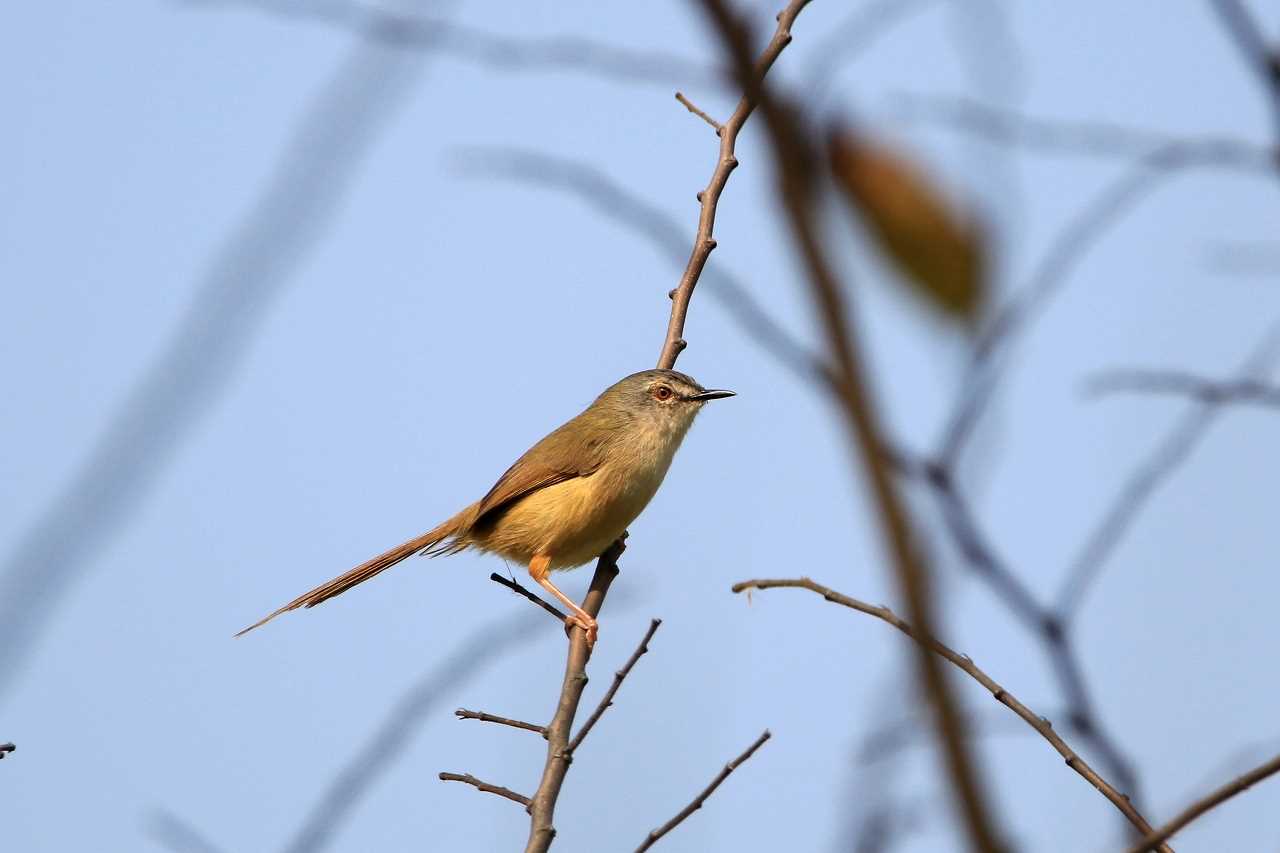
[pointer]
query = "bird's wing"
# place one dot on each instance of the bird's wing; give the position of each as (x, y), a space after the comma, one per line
(568, 453)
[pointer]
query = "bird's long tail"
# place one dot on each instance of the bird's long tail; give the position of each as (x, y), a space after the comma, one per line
(447, 538)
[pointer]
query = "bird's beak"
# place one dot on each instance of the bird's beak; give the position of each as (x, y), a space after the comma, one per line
(711, 395)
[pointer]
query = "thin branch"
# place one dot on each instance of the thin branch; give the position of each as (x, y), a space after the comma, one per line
(515, 586)
(1213, 800)
(706, 792)
(481, 785)
(704, 241)
(542, 806)
(1180, 383)
(850, 39)
(795, 163)
(693, 108)
(464, 714)
(491, 50)
(618, 678)
(1154, 471)
(966, 665)
(1079, 136)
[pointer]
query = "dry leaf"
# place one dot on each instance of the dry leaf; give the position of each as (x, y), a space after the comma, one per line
(939, 250)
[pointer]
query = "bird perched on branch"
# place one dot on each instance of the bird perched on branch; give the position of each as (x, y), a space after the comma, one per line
(569, 497)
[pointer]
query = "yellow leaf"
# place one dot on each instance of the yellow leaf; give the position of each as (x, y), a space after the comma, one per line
(940, 251)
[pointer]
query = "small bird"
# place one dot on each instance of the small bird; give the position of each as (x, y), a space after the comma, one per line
(569, 497)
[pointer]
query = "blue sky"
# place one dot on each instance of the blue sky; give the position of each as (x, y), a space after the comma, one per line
(349, 366)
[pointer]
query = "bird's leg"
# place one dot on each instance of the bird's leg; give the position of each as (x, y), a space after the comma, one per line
(539, 566)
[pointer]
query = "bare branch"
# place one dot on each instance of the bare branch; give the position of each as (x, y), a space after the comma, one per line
(704, 240)
(691, 107)
(1180, 383)
(542, 806)
(464, 714)
(966, 665)
(1082, 137)
(495, 51)
(1146, 478)
(795, 164)
(706, 792)
(481, 785)
(516, 587)
(618, 678)
(1199, 807)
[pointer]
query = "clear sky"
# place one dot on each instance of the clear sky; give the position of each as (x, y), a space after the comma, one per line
(279, 231)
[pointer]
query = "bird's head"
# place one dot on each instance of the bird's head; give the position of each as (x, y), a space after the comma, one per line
(663, 399)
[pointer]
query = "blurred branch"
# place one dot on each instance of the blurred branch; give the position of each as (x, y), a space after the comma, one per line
(491, 50)
(795, 164)
(464, 714)
(704, 241)
(1242, 783)
(1182, 384)
(706, 792)
(542, 805)
(191, 372)
(1088, 138)
(177, 835)
(516, 587)
(618, 678)
(889, 740)
(617, 202)
(966, 665)
(1264, 58)
(389, 741)
(485, 787)
(1146, 478)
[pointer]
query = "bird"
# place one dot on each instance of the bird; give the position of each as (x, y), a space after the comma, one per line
(568, 498)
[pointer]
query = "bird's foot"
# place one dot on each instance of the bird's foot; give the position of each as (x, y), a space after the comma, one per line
(589, 626)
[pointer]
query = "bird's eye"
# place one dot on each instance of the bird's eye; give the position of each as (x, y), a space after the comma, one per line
(662, 392)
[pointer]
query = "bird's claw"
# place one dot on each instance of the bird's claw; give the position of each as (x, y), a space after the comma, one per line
(589, 626)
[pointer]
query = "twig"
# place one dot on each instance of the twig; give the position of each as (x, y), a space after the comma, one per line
(795, 171)
(618, 678)
(1209, 391)
(542, 805)
(6, 748)
(704, 794)
(481, 785)
(515, 586)
(966, 665)
(693, 108)
(464, 714)
(704, 241)
(1199, 807)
